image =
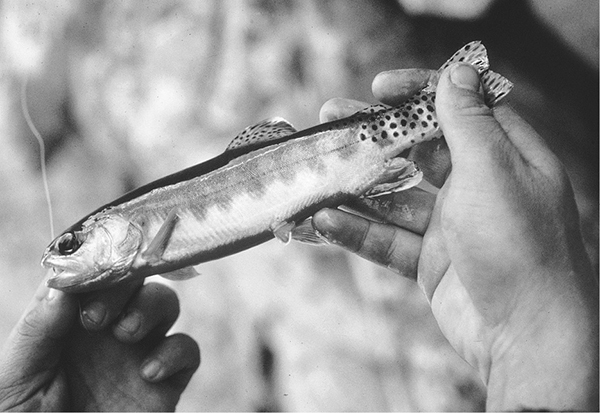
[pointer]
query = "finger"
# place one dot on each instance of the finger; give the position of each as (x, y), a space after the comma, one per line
(153, 309)
(35, 343)
(176, 358)
(433, 159)
(100, 308)
(395, 86)
(387, 245)
(410, 209)
(474, 136)
(338, 108)
(528, 142)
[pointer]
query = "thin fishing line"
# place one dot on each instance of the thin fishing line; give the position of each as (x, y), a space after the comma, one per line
(40, 140)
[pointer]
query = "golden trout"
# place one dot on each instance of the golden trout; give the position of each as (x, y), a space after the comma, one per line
(268, 183)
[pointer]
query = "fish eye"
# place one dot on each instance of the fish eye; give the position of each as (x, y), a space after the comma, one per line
(68, 244)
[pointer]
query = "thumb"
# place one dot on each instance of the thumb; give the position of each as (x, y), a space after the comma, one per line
(36, 341)
(472, 133)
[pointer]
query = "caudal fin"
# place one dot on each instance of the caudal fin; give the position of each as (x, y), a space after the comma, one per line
(495, 86)
(473, 53)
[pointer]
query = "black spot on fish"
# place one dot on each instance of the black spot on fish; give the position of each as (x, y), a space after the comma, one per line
(395, 134)
(363, 126)
(374, 127)
(424, 124)
(405, 114)
(388, 117)
(412, 125)
(424, 98)
(384, 134)
(396, 114)
(404, 132)
(363, 136)
(430, 108)
(429, 117)
(381, 123)
(408, 107)
(393, 125)
(415, 116)
(412, 141)
(374, 138)
(420, 111)
(435, 124)
(403, 122)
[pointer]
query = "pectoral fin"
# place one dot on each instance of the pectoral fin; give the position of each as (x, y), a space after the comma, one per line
(160, 241)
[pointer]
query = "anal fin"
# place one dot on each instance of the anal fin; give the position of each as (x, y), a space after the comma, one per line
(302, 232)
(402, 174)
(305, 233)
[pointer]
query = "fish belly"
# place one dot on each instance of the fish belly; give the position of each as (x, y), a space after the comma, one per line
(239, 205)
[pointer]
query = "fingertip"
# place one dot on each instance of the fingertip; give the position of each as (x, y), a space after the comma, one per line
(341, 228)
(459, 92)
(465, 76)
(338, 108)
(327, 222)
(395, 86)
(152, 370)
(152, 311)
(100, 308)
(176, 357)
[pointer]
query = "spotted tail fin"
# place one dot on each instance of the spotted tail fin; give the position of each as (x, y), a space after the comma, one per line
(495, 86)
(473, 53)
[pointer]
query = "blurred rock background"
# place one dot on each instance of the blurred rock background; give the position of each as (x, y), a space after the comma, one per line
(127, 91)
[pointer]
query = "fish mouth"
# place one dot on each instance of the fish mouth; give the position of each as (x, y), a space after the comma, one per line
(67, 274)
(67, 281)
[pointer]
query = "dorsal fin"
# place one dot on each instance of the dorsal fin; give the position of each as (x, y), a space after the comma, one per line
(264, 131)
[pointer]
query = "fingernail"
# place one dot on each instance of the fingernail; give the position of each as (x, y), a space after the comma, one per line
(151, 369)
(94, 313)
(323, 224)
(465, 76)
(130, 322)
(52, 294)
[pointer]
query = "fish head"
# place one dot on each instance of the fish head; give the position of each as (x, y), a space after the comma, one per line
(98, 254)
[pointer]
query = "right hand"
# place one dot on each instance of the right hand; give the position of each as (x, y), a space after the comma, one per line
(497, 251)
(100, 360)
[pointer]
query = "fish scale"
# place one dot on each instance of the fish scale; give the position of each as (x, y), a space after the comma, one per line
(268, 183)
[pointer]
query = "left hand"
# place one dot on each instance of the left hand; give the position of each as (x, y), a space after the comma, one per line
(54, 361)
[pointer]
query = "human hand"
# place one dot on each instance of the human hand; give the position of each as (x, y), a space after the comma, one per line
(53, 361)
(497, 251)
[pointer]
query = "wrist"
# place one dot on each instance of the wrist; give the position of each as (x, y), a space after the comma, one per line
(552, 362)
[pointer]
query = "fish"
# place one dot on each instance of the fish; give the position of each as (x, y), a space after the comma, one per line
(267, 184)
